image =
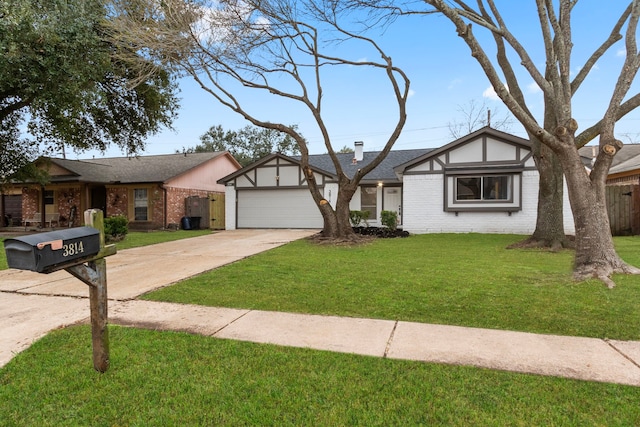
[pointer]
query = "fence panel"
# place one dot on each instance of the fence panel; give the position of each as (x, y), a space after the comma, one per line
(623, 206)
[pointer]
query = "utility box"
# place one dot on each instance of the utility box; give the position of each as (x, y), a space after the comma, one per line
(48, 252)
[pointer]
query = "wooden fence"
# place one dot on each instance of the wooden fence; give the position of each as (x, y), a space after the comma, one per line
(623, 205)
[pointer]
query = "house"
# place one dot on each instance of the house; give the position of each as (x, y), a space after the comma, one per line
(625, 167)
(484, 182)
(623, 188)
(151, 191)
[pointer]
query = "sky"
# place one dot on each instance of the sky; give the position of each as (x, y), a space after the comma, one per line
(445, 79)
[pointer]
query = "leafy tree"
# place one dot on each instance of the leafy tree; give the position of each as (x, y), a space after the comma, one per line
(275, 48)
(346, 149)
(595, 254)
(64, 83)
(248, 144)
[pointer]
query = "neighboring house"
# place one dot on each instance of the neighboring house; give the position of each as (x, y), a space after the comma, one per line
(151, 191)
(484, 182)
(625, 167)
(623, 188)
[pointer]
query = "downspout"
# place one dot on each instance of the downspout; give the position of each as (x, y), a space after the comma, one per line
(43, 205)
(166, 204)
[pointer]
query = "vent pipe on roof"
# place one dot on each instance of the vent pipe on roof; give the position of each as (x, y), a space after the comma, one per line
(358, 151)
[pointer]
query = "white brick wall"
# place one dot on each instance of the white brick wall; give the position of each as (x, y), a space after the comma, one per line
(423, 212)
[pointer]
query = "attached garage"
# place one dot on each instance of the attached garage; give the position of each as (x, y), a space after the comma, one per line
(284, 208)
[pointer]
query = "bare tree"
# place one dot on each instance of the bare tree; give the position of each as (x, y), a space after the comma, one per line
(276, 47)
(595, 254)
(476, 115)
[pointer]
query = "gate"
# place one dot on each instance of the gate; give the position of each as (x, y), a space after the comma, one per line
(623, 207)
(216, 211)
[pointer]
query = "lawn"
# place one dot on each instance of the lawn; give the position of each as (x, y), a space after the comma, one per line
(169, 378)
(456, 279)
(175, 379)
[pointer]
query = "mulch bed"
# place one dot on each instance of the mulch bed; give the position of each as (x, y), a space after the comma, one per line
(381, 232)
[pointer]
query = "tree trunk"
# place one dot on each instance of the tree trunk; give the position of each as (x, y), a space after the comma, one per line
(595, 256)
(549, 230)
(337, 225)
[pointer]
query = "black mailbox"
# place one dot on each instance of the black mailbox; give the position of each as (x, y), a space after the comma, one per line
(47, 252)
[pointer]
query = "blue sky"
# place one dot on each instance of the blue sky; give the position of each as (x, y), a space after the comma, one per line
(444, 77)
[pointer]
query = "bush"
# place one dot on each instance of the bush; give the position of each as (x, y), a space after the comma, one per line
(115, 228)
(356, 217)
(389, 219)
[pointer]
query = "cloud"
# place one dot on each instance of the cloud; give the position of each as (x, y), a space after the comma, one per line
(491, 94)
(411, 93)
(621, 52)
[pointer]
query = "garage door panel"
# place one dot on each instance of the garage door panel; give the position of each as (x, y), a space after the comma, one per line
(277, 209)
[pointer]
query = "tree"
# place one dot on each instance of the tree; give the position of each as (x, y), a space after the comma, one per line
(248, 144)
(279, 48)
(64, 80)
(595, 254)
(474, 117)
(345, 149)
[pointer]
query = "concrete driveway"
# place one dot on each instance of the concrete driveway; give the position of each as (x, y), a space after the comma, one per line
(32, 304)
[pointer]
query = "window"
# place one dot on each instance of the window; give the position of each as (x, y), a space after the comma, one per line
(483, 191)
(49, 197)
(369, 201)
(483, 188)
(140, 204)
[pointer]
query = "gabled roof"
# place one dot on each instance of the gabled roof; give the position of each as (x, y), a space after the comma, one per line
(322, 164)
(160, 168)
(625, 160)
(460, 141)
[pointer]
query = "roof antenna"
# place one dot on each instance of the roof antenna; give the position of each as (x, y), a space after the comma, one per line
(488, 118)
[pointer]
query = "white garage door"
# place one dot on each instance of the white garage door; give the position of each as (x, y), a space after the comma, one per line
(277, 209)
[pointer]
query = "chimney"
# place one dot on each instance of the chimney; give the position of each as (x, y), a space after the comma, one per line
(358, 147)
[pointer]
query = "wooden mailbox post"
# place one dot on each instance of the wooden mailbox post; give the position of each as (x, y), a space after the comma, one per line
(81, 252)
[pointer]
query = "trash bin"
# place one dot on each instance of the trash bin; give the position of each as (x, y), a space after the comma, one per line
(195, 222)
(186, 223)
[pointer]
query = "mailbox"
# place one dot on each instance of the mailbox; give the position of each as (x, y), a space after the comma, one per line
(47, 252)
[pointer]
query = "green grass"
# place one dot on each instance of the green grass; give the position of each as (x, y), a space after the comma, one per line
(176, 379)
(456, 279)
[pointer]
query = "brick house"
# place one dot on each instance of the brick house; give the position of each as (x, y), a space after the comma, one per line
(153, 192)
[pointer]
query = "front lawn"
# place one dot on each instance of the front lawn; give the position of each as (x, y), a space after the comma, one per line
(175, 379)
(456, 279)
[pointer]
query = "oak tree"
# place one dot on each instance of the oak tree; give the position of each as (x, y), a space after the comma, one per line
(558, 132)
(62, 83)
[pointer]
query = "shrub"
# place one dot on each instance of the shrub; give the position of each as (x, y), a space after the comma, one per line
(356, 217)
(115, 228)
(389, 219)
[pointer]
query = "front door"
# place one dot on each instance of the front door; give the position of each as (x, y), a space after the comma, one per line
(99, 199)
(392, 201)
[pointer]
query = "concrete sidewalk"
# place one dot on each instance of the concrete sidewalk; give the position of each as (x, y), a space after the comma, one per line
(570, 357)
(33, 304)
